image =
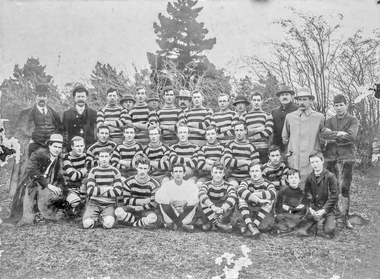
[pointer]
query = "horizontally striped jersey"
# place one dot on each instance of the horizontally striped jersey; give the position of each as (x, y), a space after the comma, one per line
(113, 113)
(224, 122)
(73, 169)
(93, 152)
(263, 189)
(169, 116)
(181, 151)
(104, 184)
(209, 151)
(235, 151)
(256, 119)
(209, 193)
(199, 118)
(142, 114)
(161, 154)
(277, 173)
(135, 190)
(127, 152)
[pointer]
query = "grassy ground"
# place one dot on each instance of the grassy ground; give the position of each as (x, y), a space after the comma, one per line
(64, 250)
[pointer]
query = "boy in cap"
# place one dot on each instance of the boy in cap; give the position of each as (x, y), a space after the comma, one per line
(127, 101)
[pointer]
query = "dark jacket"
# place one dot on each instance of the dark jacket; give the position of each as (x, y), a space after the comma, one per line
(279, 115)
(342, 148)
(79, 125)
(322, 192)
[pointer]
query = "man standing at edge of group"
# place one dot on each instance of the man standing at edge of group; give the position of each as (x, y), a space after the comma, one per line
(340, 153)
(285, 96)
(301, 133)
(79, 120)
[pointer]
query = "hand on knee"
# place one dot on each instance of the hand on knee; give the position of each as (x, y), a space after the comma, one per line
(88, 223)
(108, 222)
(120, 213)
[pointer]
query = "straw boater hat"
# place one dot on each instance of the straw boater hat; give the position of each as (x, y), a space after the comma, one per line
(240, 99)
(41, 88)
(55, 138)
(79, 88)
(304, 92)
(184, 94)
(127, 97)
(153, 96)
(285, 89)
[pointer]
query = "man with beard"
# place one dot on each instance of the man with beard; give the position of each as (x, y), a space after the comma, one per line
(79, 120)
(114, 116)
(45, 119)
(184, 99)
(285, 95)
(168, 116)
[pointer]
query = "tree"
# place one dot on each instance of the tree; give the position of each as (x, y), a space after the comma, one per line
(181, 37)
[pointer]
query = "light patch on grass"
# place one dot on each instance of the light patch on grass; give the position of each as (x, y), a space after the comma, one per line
(237, 265)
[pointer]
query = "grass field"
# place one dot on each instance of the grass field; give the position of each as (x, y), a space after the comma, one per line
(65, 250)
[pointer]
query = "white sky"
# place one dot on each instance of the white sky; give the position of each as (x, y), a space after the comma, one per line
(71, 36)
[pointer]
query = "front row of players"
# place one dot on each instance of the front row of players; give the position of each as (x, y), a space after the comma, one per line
(140, 201)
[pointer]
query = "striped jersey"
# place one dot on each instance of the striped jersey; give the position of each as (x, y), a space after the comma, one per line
(157, 154)
(209, 193)
(199, 118)
(248, 187)
(181, 151)
(224, 122)
(113, 113)
(234, 151)
(73, 169)
(169, 116)
(135, 190)
(127, 152)
(209, 151)
(142, 114)
(93, 152)
(277, 173)
(104, 184)
(256, 119)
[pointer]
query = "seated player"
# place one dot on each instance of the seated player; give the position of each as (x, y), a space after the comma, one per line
(139, 208)
(103, 186)
(239, 154)
(321, 191)
(158, 154)
(75, 175)
(255, 194)
(123, 155)
(178, 200)
(291, 203)
(185, 152)
(101, 143)
(208, 155)
(275, 170)
(217, 199)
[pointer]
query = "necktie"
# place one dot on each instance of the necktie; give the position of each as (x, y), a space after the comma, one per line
(43, 111)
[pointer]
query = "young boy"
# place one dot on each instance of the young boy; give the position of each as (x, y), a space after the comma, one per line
(104, 185)
(275, 170)
(139, 191)
(208, 155)
(255, 194)
(321, 192)
(217, 199)
(291, 203)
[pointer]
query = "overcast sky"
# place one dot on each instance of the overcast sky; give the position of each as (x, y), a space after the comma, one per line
(71, 36)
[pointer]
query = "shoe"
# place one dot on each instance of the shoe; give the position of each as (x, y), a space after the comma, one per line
(188, 228)
(253, 229)
(206, 227)
(347, 223)
(224, 227)
(243, 230)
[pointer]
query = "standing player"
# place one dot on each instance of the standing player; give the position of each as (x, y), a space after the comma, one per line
(127, 101)
(225, 119)
(153, 101)
(241, 103)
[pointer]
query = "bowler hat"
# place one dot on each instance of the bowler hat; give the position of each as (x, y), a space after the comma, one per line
(79, 88)
(285, 89)
(127, 97)
(153, 96)
(55, 138)
(41, 88)
(184, 94)
(304, 92)
(240, 99)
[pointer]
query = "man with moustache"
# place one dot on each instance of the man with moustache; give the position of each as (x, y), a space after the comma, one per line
(79, 120)
(285, 96)
(184, 99)
(301, 133)
(241, 103)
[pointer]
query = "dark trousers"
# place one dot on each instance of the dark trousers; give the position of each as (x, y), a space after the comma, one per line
(343, 172)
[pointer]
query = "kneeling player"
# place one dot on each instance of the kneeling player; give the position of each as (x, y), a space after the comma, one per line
(217, 199)
(139, 193)
(104, 185)
(255, 194)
